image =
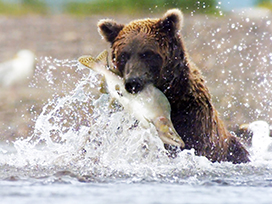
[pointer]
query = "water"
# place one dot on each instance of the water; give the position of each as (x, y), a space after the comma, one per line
(131, 193)
(85, 149)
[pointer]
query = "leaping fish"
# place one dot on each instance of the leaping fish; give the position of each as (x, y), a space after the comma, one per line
(148, 106)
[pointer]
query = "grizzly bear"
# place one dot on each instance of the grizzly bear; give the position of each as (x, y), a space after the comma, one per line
(152, 51)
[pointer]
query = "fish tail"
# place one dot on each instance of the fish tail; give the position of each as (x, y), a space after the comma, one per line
(103, 58)
(87, 61)
(167, 132)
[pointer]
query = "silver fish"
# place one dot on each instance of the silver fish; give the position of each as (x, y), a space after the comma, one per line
(148, 106)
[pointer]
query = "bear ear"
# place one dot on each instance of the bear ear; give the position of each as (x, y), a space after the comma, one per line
(172, 21)
(109, 29)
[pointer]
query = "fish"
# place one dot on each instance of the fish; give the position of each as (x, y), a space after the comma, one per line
(149, 106)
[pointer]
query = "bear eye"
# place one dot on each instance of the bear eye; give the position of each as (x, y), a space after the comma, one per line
(123, 58)
(147, 54)
(153, 60)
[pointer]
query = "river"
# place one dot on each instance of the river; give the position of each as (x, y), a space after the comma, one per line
(85, 150)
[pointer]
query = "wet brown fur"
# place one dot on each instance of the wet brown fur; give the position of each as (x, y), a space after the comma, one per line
(193, 114)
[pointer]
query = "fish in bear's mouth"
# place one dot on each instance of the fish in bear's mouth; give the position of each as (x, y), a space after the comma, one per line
(149, 106)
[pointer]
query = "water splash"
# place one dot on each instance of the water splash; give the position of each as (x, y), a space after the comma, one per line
(81, 134)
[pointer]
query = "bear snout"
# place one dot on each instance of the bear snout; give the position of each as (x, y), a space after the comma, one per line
(134, 85)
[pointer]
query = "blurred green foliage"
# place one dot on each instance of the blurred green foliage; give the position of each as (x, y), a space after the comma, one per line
(25, 7)
(110, 7)
(265, 4)
(116, 7)
(139, 6)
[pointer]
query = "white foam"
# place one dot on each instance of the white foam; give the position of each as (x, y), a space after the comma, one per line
(261, 140)
(80, 132)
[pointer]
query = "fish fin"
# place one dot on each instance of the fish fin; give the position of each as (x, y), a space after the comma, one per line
(149, 121)
(115, 71)
(87, 61)
(115, 105)
(103, 58)
(103, 85)
(112, 103)
(167, 132)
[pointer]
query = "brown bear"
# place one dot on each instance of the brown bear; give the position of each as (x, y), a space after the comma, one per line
(152, 51)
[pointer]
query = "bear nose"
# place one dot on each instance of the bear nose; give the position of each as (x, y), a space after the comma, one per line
(134, 85)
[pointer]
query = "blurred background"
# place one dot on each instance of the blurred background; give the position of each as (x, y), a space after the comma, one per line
(88, 7)
(229, 40)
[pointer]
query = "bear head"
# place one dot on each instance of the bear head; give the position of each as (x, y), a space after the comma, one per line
(144, 50)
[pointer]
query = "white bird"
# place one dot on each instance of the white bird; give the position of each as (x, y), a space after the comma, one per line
(261, 140)
(17, 70)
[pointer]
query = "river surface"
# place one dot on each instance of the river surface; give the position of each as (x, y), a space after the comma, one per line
(86, 149)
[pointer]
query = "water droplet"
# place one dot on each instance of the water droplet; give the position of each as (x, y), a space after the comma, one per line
(246, 105)
(229, 105)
